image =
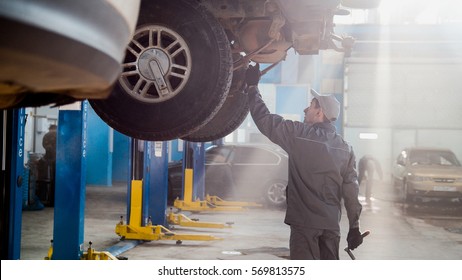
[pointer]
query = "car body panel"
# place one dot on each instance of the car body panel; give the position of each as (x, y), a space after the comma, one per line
(69, 48)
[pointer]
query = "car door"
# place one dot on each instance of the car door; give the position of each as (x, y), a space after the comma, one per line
(252, 168)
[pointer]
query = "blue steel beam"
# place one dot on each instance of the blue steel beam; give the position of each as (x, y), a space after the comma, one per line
(68, 231)
(157, 182)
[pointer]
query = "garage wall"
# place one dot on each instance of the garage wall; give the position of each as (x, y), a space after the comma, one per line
(404, 88)
(390, 141)
(418, 93)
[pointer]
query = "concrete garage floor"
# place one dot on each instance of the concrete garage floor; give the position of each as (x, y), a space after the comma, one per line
(257, 234)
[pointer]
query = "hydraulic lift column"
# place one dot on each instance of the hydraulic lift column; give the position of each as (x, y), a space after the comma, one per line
(68, 231)
(12, 145)
(148, 164)
(155, 182)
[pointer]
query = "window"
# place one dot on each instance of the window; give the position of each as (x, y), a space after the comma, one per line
(217, 154)
(428, 157)
(250, 155)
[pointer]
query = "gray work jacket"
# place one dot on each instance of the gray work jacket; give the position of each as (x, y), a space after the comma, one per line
(321, 169)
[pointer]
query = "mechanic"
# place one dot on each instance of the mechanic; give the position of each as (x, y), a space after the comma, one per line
(321, 173)
(367, 166)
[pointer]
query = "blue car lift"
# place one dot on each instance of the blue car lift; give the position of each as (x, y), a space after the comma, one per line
(13, 123)
(147, 199)
(69, 206)
(70, 194)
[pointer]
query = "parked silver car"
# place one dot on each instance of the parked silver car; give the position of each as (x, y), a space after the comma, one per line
(428, 172)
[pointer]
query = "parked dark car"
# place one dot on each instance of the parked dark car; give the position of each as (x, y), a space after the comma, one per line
(428, 172)
(256, 173)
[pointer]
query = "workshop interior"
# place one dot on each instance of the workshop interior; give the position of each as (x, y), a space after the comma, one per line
(105, 98)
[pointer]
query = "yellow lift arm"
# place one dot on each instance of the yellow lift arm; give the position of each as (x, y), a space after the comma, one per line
(134, 230)
(215, 200)
(182, 220)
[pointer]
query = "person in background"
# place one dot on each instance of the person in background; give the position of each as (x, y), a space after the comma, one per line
(322, 172)
(49, 143)
(367, 166)
(46, 168)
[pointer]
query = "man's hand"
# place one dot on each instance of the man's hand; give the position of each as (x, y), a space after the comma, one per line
(354, 238)
(252, 75)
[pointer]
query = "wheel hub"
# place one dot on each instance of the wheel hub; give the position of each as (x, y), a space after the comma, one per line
(277, 193)
(153, 56)
(153, 65)
(157, 64)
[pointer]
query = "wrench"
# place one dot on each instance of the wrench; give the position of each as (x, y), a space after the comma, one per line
(366, 233)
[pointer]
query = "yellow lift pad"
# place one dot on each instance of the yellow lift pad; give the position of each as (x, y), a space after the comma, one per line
(210, 204)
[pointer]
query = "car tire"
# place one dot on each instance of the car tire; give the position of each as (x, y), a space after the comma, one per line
(275, 193)
(176, 75)
(229, 117)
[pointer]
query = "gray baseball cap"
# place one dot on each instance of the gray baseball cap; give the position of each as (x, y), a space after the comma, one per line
(329, 104)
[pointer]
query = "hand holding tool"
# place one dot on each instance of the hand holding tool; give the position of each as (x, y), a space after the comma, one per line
(348, 250)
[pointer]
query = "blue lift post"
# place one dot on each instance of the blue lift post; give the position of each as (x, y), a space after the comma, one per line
(13, 164)
(149, 163)
(68, 231)
(155, 182)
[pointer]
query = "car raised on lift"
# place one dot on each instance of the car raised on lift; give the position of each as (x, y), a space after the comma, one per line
(183, 72)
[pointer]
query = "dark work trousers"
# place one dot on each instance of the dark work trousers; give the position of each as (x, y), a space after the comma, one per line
(313, 244)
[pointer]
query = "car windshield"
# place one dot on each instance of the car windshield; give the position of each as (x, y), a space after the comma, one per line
(422, 157)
